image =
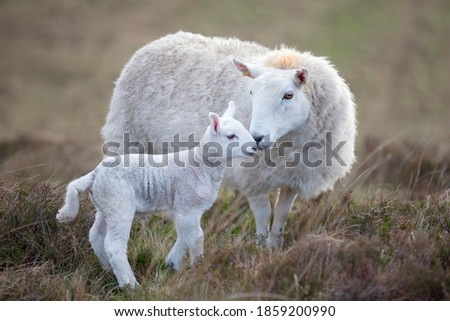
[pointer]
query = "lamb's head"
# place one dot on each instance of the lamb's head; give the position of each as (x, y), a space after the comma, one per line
(280, 102)
(229, 135)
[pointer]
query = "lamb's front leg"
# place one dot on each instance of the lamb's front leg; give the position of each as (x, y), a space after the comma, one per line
(191, 233)
(176, 254)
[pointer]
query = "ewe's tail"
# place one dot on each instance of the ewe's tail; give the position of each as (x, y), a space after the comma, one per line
(71, 205)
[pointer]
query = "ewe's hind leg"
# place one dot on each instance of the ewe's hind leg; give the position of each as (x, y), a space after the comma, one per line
(261, 208)
(116, 243)
(283, 206)
(191, 233)
(97, 236)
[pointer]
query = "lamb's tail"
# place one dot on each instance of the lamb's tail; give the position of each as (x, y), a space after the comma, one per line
(71, 205)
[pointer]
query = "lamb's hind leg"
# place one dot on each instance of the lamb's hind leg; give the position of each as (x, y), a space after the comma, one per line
(97, 236)
(116, 243)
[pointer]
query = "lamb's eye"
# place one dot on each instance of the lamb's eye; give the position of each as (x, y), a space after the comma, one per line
(251, 93)
(288, 95)
(232, 136)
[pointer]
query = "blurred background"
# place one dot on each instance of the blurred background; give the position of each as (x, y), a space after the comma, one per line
(59, 58)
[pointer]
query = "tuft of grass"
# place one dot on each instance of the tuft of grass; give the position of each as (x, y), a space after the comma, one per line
(414, 169)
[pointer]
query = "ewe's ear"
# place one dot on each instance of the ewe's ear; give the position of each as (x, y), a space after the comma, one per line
(301, 77)
(248, 70)
(214, 122)
(231, 110)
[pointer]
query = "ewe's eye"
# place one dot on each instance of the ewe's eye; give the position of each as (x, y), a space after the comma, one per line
(251, 93)
(232, 136)
(288, 95)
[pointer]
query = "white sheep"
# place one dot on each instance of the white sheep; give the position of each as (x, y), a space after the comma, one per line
(293, 97)
(119, 191)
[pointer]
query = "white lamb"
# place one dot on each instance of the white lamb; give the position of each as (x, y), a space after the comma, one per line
(297, 99)
(184, 192)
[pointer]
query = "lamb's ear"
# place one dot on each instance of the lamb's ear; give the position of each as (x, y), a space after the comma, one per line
(214, 122)
(301, 76)
(231, 110)
(248, 70)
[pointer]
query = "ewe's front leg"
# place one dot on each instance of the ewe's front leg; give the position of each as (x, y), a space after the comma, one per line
(260, 205)
(191, 233)
(283, 206)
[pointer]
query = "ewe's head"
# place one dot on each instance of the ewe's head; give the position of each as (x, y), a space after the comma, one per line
(229, 135)
(280, 101)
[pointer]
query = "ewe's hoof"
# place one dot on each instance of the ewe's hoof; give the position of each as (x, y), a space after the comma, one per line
(261, 239)
(269, 240)
(274, 241)
(197, 261)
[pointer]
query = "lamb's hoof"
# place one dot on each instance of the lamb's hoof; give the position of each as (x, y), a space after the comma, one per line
(130, 286)
(172, 265)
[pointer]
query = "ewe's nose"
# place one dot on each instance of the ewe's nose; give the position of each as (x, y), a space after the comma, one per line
(258, 138)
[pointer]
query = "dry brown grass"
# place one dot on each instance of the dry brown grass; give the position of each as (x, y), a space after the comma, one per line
(334, 248)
